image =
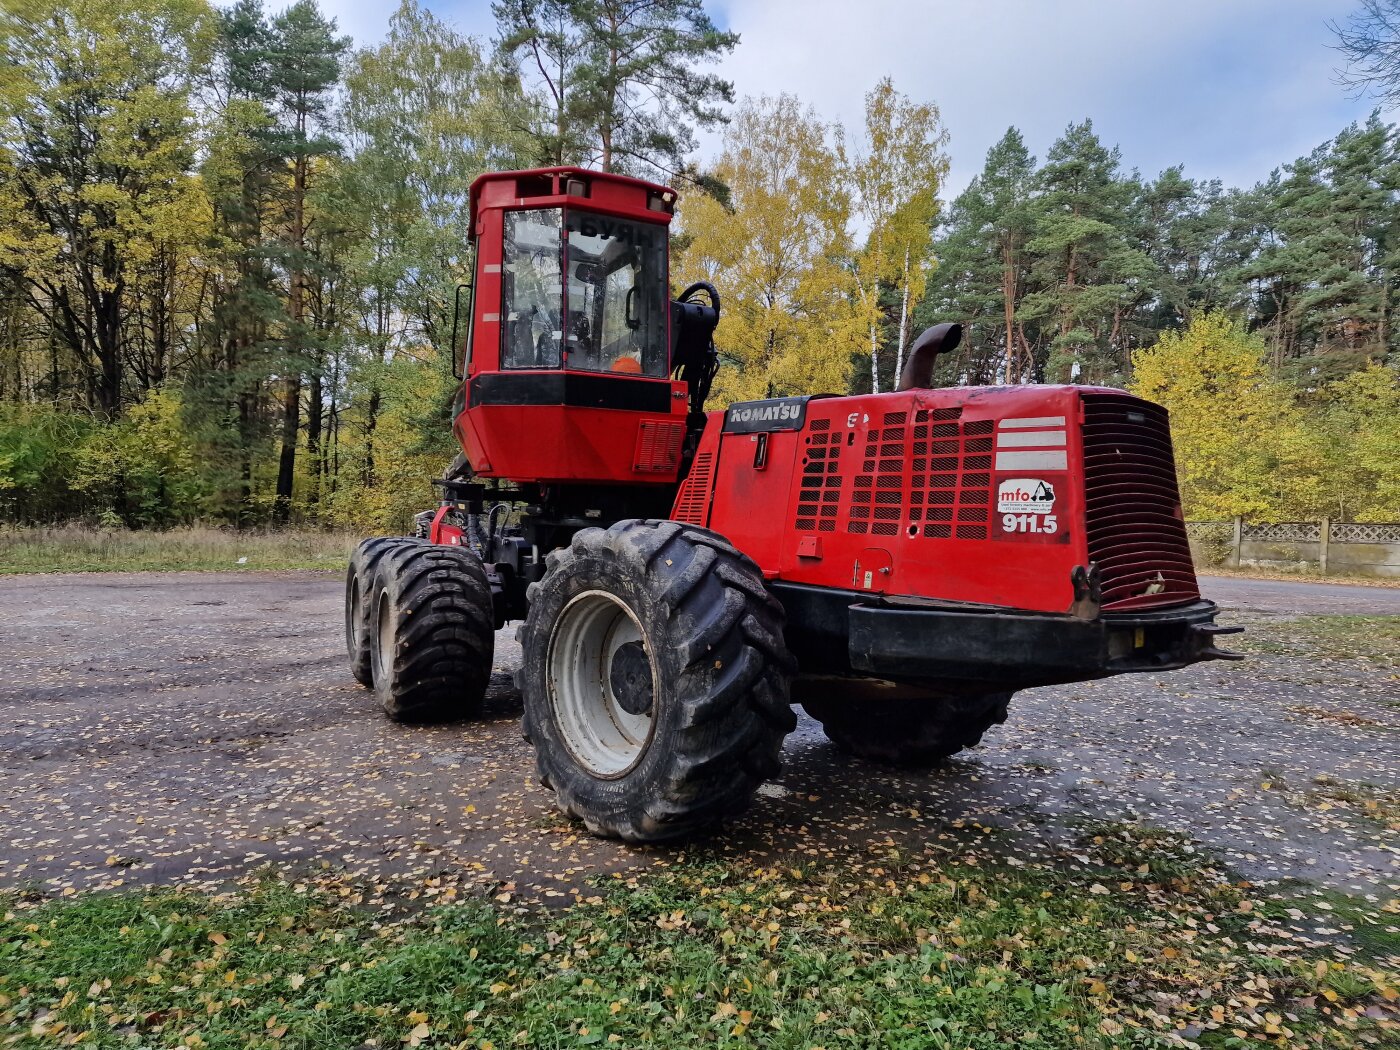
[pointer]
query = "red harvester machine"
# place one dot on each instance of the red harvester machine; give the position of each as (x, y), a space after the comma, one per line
(900, 564)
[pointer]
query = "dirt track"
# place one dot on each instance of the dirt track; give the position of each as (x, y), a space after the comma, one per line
(161, 727)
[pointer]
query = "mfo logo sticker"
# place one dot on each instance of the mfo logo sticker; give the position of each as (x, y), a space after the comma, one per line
(1025, 496)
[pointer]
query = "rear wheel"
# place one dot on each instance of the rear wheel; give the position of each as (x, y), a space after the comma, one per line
(909, 731)
(359, 589)
(432, 635)
(655, 679)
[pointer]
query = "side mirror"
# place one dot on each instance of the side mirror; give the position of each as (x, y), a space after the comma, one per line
(918, 370)
(457, 369)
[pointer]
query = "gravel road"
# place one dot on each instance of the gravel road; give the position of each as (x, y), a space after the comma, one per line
(184, 727)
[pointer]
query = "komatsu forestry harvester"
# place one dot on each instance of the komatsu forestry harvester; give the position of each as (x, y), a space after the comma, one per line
(899, 564)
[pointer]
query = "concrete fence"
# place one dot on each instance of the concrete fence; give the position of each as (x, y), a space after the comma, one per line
(1343, 548)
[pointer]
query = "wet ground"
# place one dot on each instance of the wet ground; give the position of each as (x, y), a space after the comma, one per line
(163, 727)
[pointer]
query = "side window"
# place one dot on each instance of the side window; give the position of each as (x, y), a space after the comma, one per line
(617, 295)
(531, 288)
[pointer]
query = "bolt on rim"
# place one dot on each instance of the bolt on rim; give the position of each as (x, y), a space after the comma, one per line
(601, 683)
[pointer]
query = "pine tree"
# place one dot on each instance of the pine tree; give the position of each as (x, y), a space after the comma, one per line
(304, 68)
(1322, 275)
(983, 265)
(224, 392)
(1087, 273)
(618, 80)
(1188, 230)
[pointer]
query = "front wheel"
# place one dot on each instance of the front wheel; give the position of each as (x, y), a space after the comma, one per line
(909, 731)
(655, 679)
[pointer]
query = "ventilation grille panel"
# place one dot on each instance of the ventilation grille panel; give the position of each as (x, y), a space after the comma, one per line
(819, 494)
(694, 498)
(658, 447)
(1133, 519)
(926, 476)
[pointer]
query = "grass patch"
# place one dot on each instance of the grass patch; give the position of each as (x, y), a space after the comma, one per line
(1133, 939)
(1372, 638)
(74, 548)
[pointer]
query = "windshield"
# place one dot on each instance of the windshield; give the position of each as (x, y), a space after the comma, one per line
(616, 293)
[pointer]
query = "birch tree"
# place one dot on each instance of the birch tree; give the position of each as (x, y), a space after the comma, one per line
(897, 178)
(791, 321)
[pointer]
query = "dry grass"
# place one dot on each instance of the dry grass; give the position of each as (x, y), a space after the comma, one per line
(1246, 572)
(77, 548)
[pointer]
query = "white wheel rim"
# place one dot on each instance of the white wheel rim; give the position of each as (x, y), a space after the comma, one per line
(381, 654)
(603, 738)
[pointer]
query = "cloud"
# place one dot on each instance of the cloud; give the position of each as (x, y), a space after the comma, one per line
(1229, 88)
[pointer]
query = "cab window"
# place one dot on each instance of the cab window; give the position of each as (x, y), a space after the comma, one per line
(616, 295)
(531, 289)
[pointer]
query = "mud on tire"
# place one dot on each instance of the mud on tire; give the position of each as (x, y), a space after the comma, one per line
(432, 636)
(655, 679)
(917, 731)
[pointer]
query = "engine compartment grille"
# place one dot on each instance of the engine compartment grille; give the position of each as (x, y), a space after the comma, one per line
(930, 475)
(821, 479)
(1133, 521)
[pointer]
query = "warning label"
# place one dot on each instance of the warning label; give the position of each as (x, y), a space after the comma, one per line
(1025, 496)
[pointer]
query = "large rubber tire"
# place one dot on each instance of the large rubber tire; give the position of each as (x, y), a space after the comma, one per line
(432, 635)
(694, 613)
(359, 585)
(913, 731)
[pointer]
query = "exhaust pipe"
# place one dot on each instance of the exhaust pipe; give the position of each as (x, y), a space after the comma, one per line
(918, 370)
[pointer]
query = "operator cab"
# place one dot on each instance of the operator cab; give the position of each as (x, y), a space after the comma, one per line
(606, 312)
(568, 354)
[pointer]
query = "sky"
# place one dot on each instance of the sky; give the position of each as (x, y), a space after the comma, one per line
(1229, 88)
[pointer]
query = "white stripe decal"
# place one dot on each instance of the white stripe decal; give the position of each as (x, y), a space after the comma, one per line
(1032, 460)
(1030, 422)
(1031, 438)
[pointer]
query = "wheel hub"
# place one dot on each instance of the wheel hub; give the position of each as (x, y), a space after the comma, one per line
(630, 679)
(602, 684)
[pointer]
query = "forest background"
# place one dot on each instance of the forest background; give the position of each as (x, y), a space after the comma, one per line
(229, 241)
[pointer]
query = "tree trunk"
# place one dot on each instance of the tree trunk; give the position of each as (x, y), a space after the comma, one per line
(315, 409)
(1008, 294)
(291, 390)
(903, 322)
(875, 344)
(609, 119)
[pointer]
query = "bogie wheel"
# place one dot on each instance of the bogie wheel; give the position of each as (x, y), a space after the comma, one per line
(655, 679)
(909, 731)
(432, 634)
(359, 589)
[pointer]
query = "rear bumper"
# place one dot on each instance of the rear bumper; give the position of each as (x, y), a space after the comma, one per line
(908, 642)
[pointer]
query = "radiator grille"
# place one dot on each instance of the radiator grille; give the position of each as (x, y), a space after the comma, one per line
(928, 475)
(694, 496)
(1133, 520)
(820, 491)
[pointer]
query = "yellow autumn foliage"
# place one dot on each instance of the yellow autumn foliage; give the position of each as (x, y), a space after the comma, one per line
(791, 321)
(1240, 444)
